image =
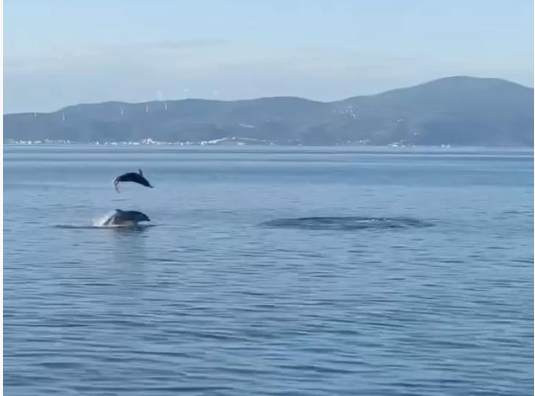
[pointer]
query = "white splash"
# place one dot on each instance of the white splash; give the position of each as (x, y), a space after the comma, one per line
(99, 221)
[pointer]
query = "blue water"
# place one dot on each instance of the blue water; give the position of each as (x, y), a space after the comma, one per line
(269, 272)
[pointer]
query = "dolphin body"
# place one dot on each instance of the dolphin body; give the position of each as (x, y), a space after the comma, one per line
(126, 218)
(131, 177)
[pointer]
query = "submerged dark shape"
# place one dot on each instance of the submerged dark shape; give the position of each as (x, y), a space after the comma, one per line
(347, 223)
(126, 218)
(132, 177)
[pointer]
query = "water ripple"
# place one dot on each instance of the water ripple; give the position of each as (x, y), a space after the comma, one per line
(348, 223)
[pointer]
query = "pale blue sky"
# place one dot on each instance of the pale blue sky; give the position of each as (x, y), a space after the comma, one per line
(58, 53)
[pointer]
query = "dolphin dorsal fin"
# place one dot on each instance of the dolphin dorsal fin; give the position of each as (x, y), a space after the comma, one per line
(118, 210)
(140, 172)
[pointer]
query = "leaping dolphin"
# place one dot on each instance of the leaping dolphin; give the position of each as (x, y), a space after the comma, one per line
(126, 218)
(131, 177)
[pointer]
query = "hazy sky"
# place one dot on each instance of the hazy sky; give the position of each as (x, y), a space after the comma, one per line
(58, 53)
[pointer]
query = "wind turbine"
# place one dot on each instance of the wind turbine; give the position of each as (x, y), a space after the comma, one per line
(160, 98)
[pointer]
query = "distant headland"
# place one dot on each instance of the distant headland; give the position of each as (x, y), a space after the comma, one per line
(456, 111)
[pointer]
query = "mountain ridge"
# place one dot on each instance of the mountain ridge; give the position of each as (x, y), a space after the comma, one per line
(457, 110)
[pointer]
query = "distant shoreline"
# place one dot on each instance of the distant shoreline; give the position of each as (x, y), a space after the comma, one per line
(453, 111)
(362, 149)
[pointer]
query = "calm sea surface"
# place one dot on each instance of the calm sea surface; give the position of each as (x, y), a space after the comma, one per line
(269, 272)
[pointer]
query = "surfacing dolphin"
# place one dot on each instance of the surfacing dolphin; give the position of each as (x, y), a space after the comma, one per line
(131, 177)
(126, 218)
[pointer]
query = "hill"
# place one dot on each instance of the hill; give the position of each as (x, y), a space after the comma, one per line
(454, 110)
